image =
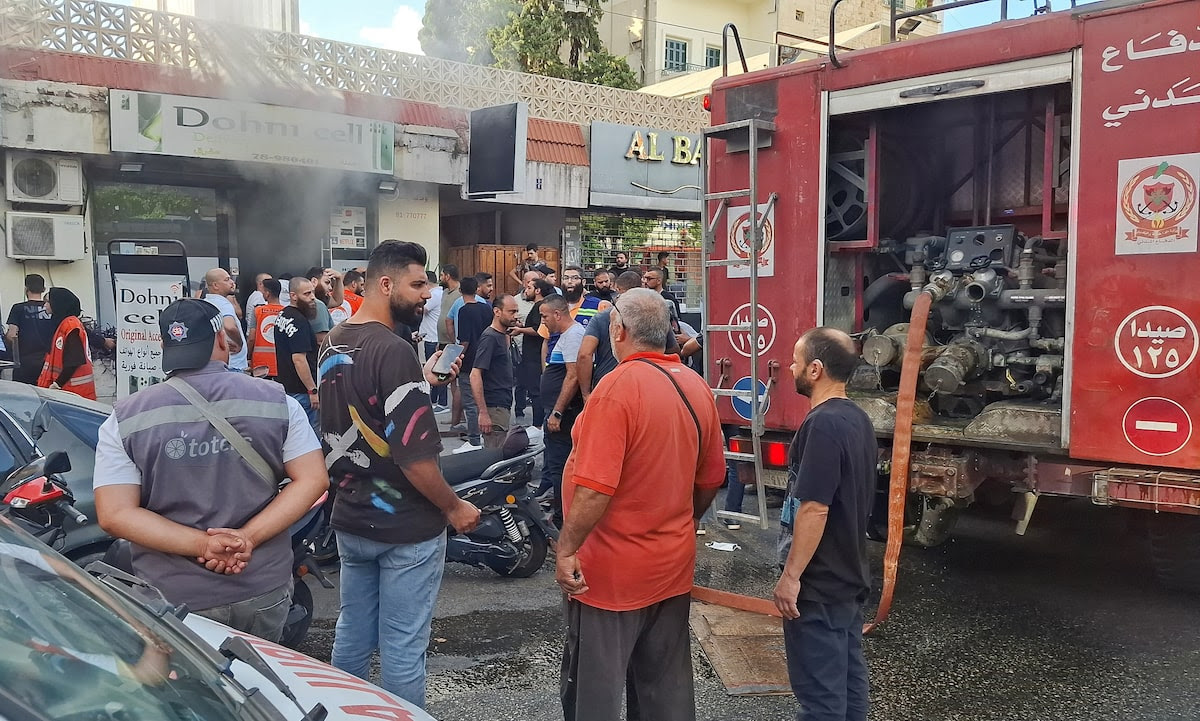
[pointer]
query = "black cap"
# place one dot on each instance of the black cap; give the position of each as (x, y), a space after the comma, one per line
(188, 327)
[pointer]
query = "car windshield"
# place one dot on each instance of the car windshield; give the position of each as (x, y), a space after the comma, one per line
(71, 649)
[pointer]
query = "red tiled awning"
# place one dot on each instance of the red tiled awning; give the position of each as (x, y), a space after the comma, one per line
(550, 141)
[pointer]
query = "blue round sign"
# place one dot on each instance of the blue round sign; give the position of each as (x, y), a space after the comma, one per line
(741, 406)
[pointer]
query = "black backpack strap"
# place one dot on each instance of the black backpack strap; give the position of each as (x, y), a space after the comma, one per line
(686, 402)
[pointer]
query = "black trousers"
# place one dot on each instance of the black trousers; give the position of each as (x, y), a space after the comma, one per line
(825, 661)
(650, 648)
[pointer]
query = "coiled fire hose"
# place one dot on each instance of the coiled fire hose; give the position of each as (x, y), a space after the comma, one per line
(902, 449)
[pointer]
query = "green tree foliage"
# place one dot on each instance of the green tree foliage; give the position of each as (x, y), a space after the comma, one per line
(555, 38)
(458, 29)
(116, 202)
(561, 39)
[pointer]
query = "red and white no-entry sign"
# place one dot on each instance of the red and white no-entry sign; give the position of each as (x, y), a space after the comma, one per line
(1157, 426)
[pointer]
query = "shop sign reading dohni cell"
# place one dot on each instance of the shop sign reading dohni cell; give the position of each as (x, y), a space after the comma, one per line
(189, 127)
(140, 298)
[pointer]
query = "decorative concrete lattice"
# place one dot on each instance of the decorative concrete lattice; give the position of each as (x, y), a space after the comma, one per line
(236, 54)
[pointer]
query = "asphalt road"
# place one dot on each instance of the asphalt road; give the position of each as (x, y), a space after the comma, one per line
(1062, 624)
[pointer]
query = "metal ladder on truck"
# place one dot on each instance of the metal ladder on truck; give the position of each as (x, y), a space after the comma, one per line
(740, 136)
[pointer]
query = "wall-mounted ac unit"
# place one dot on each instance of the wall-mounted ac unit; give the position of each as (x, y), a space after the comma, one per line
(44, 236)
(44, 178)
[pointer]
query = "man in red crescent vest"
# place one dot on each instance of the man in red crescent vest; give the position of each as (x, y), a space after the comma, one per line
(262, 324)
(69, 362)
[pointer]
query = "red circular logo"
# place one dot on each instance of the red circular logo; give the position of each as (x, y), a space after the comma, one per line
(1157, 426)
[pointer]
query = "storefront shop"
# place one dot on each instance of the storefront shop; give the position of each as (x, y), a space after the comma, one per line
(644, 200)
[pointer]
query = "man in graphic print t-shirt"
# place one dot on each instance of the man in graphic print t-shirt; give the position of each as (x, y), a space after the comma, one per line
(392, 505)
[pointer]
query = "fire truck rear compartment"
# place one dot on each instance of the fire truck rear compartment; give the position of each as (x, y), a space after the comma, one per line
(969, 196)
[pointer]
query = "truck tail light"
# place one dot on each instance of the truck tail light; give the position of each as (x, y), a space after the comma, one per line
(774, 452)
(708, 102)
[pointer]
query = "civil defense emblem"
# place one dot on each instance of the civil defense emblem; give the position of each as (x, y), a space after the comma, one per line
(1156, 200)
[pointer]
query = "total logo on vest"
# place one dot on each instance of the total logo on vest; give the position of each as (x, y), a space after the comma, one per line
(184, 447)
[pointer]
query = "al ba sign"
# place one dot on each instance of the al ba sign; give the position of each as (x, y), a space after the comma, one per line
(159, 124)
(648, 168)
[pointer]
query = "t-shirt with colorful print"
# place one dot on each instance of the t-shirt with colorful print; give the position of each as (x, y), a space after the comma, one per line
(375, 416)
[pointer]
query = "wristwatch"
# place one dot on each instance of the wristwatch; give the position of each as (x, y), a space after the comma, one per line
(313, 392)
(556, 414)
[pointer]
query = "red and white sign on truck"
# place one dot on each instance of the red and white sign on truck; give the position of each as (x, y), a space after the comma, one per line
(1034, 184)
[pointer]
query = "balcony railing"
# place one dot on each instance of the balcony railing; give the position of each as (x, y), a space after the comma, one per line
(250, 57)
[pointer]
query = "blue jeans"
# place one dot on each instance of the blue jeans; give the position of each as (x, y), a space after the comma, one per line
(314, 418)
(825, 661)
(734, 489)
(438, 395)
(387, 596)
(470, 410)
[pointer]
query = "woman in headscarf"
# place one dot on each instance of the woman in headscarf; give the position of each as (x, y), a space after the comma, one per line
(69, 362)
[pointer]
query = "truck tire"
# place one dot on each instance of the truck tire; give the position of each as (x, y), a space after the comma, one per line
(929, 520)
(1175, 551)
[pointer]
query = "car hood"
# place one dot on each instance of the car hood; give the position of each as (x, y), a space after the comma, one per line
(346, 697)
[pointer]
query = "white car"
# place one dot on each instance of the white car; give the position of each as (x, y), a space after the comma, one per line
(74, 646)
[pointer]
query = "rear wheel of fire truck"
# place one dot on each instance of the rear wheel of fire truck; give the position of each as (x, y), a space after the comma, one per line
(928, 520)
(1175, 550)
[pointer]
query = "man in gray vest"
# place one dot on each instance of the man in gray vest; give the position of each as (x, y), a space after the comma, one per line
(188, 471)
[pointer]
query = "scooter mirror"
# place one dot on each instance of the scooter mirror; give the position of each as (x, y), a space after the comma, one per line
(56, 462)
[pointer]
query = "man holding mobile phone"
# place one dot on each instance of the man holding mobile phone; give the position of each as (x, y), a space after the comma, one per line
(393, 504)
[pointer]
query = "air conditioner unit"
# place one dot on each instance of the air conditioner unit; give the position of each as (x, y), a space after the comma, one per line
(44, 178)
(44, 236)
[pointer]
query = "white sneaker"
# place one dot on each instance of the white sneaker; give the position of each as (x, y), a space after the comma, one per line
(439, 410)
(467, 447)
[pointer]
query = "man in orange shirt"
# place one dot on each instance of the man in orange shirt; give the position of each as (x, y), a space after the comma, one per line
(647, 462)
(353, 282)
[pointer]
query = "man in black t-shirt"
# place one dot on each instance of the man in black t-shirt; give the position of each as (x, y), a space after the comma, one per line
(822, 543)
(296, 349)
(532, 346)
(473, 317)
(492, 373)
(393, 505)
(32, 328)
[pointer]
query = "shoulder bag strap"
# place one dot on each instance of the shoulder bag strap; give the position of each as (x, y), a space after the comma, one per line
(686, 402)
(226, 429)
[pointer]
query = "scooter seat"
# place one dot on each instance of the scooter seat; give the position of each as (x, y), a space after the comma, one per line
(457, 469)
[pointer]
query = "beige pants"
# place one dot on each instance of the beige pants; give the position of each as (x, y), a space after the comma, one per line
(500, 420)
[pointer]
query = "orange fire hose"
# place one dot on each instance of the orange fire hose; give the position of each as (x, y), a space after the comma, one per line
(901, 454)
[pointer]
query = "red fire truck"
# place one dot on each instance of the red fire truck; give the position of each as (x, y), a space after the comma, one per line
(1030, 188)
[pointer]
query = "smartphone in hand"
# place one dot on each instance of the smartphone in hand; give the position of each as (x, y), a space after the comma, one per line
(445, 364)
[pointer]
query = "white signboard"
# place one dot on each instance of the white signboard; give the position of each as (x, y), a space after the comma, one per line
(348, 227)
(140, 298)
(737, 227)
(231, 130)
(1156, 205)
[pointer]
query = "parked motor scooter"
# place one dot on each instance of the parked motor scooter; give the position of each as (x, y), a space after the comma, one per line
(38, 500)
(514, 533)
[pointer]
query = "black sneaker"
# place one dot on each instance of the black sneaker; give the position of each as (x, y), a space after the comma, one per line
(731, 524)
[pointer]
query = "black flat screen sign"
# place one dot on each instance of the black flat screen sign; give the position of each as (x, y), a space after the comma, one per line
(496, 160)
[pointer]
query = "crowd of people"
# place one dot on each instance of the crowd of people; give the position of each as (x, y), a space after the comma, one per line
(46, 341)
(633, 462)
